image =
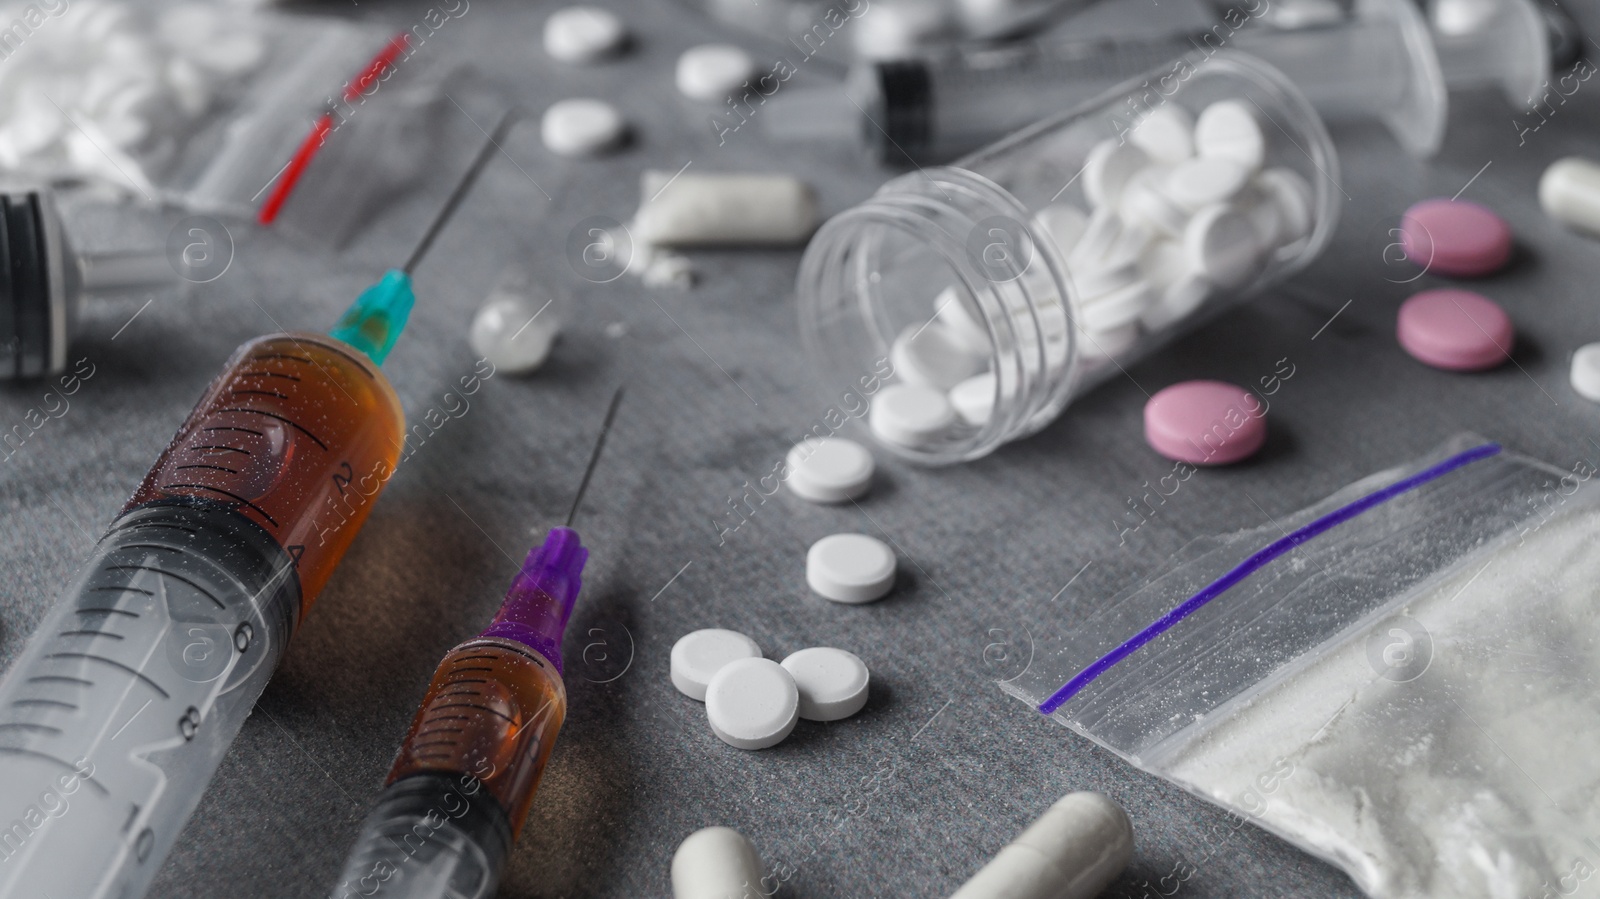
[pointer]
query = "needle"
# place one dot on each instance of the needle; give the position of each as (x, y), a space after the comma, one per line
(594, 457)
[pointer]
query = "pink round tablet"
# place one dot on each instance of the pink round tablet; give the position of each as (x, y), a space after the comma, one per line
(1455, 237)
(1205, 423)
(1456, 330)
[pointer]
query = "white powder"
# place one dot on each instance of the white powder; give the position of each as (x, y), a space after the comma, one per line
(1479, 779)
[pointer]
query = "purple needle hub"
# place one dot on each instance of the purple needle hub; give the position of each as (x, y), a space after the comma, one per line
(540, 600)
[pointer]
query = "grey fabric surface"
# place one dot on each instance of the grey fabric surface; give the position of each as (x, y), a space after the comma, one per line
(941, 769)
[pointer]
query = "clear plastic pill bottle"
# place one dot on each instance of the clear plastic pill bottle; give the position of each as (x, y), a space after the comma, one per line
(969, 304)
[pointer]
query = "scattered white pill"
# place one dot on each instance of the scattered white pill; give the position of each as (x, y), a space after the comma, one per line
(711, 72)
(680, 210)
(850, 568)
(752, 703)
(581, 127)
(514, 333)
(930, 355)
(582, 34)
(828, 469)
(1166, 134)
(1203, 181)
(1586, 372)
(1229, 129)
(910, 415)
(716, 863)
(1221, 244)
(832, 682)
(1292, 194)
(1569, 192)
(1076, 849)
(962, 322)
(699, 655)
(973, 399)
(1107, 169)
(1063, 223)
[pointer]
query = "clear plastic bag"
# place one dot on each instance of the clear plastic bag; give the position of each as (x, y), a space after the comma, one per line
(1400, 679)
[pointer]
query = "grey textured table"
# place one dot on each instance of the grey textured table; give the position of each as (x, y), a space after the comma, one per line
(942, 769)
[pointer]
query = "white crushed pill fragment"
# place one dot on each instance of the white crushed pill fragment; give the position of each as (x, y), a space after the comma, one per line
(1107, 169)
(716, 863)
(581, 127)
(1586, 372)
(910, 415)
(512, 329)
(973, 399)
(850, 568)
(686, 209)
(832, 682)
(711, 72)
(961, 322)
(1222, 245)
(1203, 181)
(699, 655)
(583, 34)
(752, 703)
(1165, 134)
(930, 355)
(828, 469)
(1229, 129)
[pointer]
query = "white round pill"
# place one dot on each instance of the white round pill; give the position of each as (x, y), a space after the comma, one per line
(1145, 200)
(1166, 134)
(973, 399)
(1201, 182)
(828, 469)
(699, 655)
(710, 72)
(1586, 372)
(716, 863)
(581, 34)
(1292, 195)
(1229, 129)
(1107, 169)
(752, 703)
(581, 127)
(514, 333)
(910, 415)
(932, 355)
(1221, 244)
(832, 682)
(851, 568)
(1110, 311)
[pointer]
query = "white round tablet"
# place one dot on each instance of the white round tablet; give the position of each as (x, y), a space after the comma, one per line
(580, 34)
(581, 127)
(752, 703)
(1228, 129)
(1201, 182)
(699, 655)
(931, 355)
(828, 469)
(1221, 243)
(910, 415)
(832, 682)
(1110, 311)
(852, 568)
(1166, 134)
(710, 72)
(715, 863)
(973, 399)
(1293, 196)
(1586, 372)
(1107, 169)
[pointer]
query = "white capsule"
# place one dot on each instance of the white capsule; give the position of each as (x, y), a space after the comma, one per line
(1074, 851)
(581, 127)
(930, 355)
(699, 655)
(727, 210)
(910, 415)
(717, 863)
(828, 469)
(1569, 192)
(850, 568)
(752, 703)
(583, 34)
(1166, 134)
(832, 682)
(1229, 129)
(1107, 169)
(973, 399)
(1586, 372)
(710, 72)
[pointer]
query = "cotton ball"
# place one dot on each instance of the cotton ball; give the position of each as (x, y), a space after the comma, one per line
(513, 330)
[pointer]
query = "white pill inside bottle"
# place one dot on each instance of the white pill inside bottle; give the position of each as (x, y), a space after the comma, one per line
(1074, 851)
(717, 863)
(1569, 191)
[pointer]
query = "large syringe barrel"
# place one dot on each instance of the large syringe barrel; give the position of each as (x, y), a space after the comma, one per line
(117, 713)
